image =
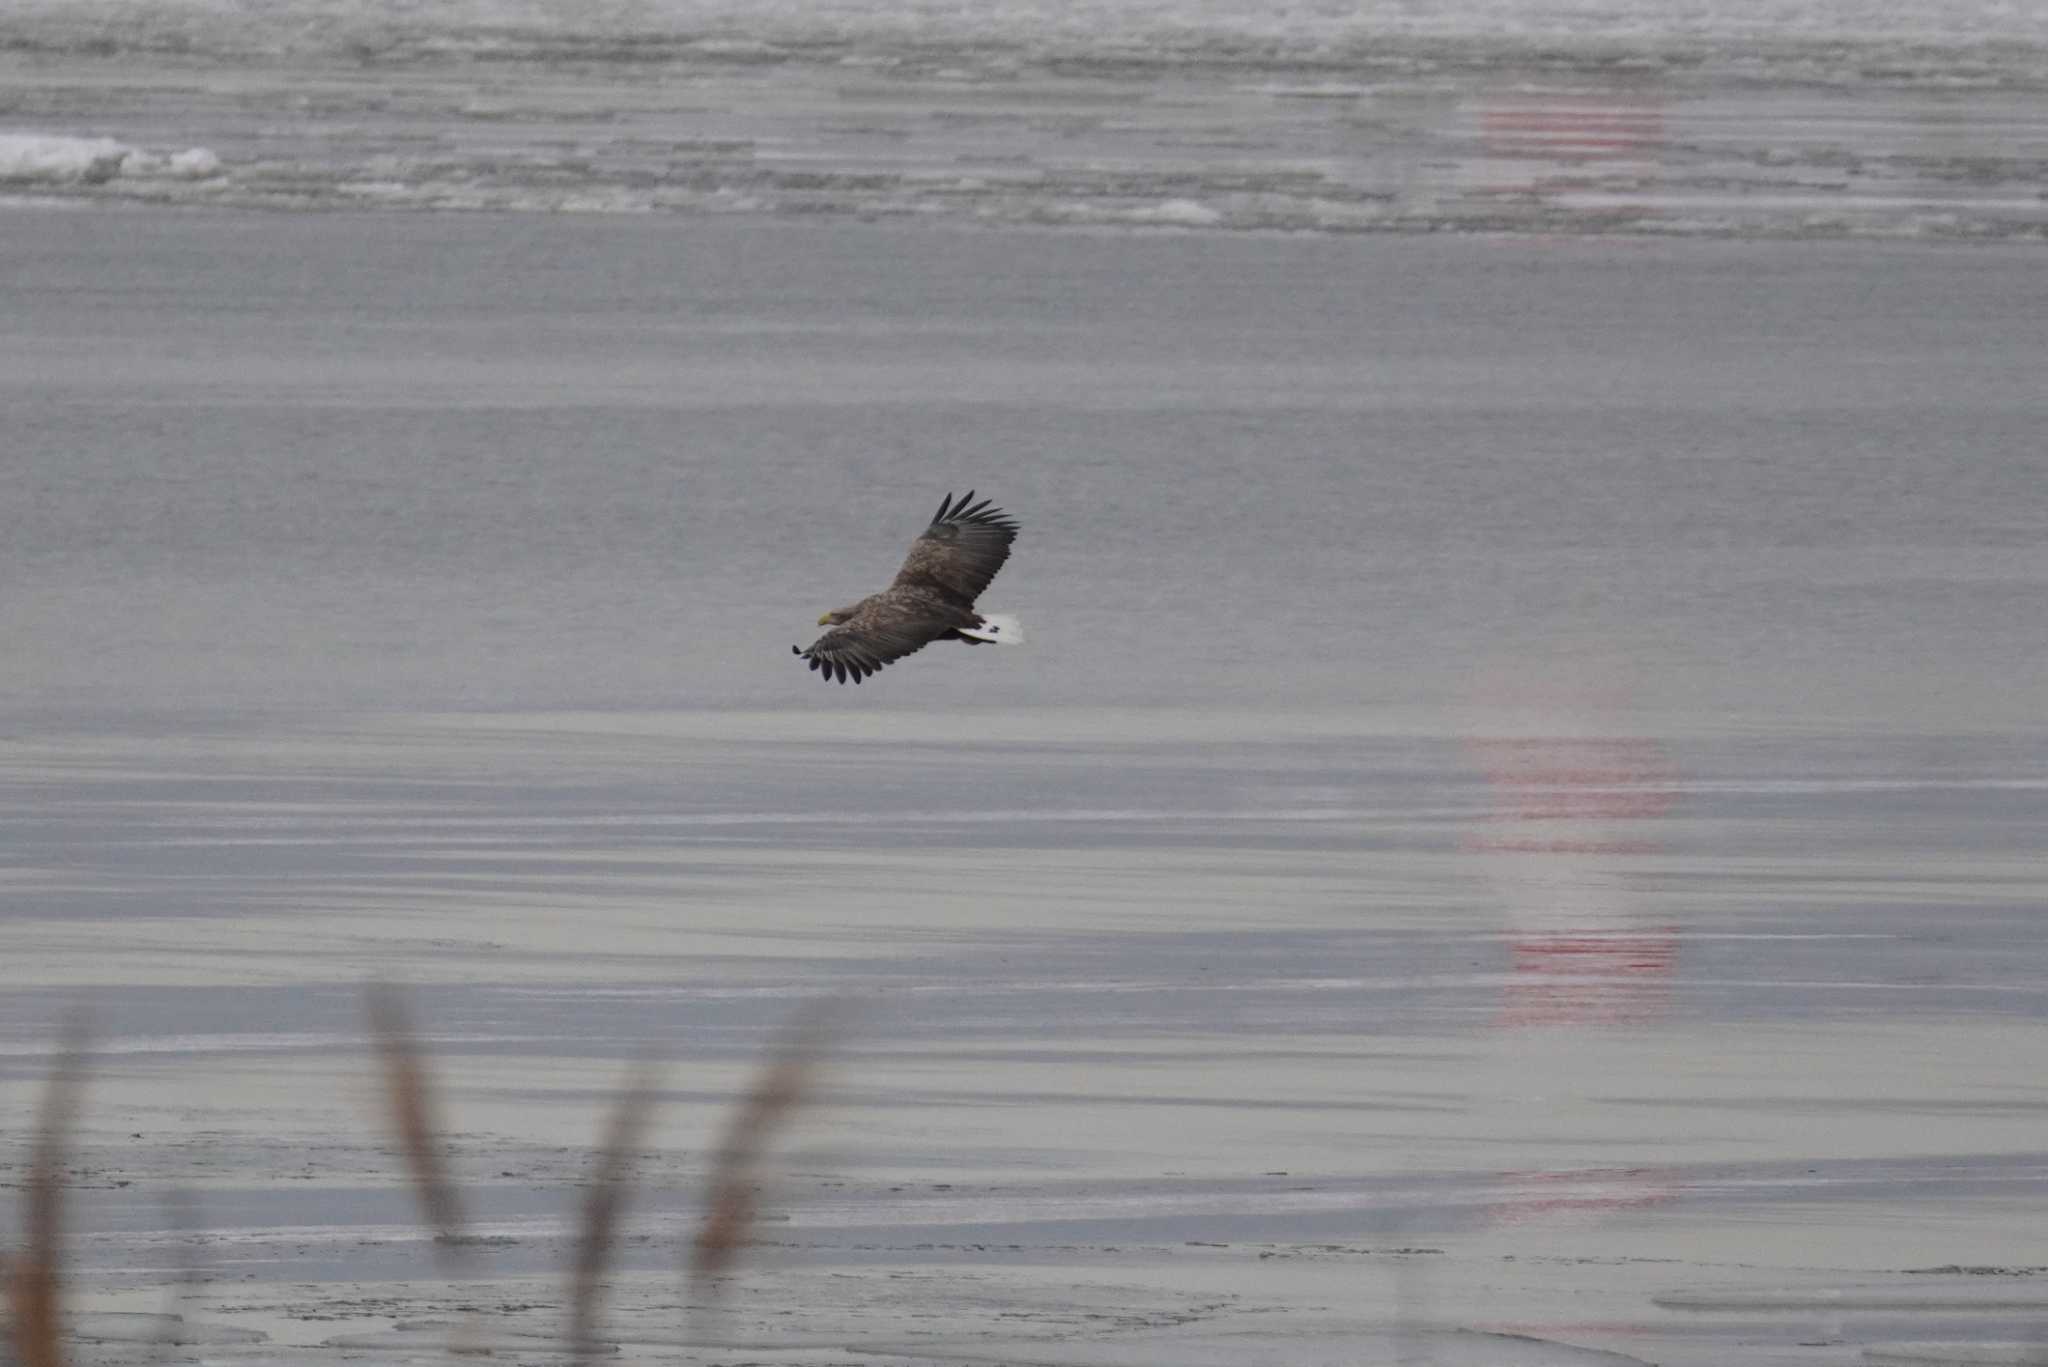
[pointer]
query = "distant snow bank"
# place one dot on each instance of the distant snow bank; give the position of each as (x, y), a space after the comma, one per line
(53, 158)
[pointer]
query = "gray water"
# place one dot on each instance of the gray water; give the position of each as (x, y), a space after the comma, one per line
(1520, 810)
(261, 462)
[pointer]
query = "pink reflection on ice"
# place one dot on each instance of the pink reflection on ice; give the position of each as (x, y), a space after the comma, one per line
(1528, 146)
(1580, 1194)
(1573, 126)
(1569, 840)
(1575, 811)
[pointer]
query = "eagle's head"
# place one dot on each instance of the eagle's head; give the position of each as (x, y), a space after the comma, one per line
(837, 615)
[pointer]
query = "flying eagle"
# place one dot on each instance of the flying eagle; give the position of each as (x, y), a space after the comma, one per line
(931, 598)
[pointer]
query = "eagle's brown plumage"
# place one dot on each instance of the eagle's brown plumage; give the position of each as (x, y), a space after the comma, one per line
(931, 598)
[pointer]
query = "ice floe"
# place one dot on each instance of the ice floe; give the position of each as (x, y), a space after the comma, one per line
(1966, 1296)
(29, 157)
(465, 1338)
(112, 1326)
(1959, 1354)
(56, 158)
(1300, 1344)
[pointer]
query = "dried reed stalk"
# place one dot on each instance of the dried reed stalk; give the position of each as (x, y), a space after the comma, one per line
(605, 1204)
(35, 1274)
(734, 1198)
(409, 1093)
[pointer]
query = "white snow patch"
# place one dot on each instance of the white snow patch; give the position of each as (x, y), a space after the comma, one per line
(42, 157)
(61, 159)
(1186, 213)
(195, 163)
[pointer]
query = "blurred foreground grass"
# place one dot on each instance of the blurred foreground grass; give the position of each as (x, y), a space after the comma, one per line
(34, 1270)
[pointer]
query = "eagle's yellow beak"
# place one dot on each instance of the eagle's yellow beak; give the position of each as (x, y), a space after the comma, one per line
(826, 620)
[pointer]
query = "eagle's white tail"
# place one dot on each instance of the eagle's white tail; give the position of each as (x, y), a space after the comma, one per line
(998, 627)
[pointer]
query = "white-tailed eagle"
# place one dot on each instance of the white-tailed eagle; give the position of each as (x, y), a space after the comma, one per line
(931, 598)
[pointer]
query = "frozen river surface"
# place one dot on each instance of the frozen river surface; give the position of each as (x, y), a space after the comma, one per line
(1781, 118)
(1520, 819)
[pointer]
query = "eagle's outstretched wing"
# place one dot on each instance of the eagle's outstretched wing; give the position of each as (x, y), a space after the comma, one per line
(871, 638)
(960, 552)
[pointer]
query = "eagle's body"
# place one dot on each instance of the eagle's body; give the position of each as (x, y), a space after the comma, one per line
(931, 598)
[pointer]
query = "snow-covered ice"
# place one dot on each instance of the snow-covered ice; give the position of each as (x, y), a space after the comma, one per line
(41, 159)
(1860, 118)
